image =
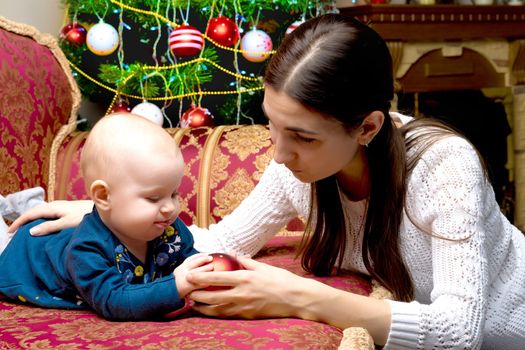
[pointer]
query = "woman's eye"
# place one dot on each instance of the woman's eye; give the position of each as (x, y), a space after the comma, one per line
(304, 139)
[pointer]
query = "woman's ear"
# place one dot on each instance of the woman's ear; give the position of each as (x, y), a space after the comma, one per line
(370, 127)
(99, 192)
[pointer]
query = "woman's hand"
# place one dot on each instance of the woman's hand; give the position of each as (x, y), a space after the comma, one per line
(258, 291)
(66, 213)
(264, 291)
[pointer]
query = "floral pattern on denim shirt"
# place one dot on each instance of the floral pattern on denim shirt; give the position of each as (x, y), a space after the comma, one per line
(162, 258)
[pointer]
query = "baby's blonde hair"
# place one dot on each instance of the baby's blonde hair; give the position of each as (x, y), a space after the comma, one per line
(118, 140)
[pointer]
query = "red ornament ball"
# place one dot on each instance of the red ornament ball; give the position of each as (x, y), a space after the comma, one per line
(223, 31)
(223, 262)
(121, 106)
(186, 41)
(195, 117)
(74, 33)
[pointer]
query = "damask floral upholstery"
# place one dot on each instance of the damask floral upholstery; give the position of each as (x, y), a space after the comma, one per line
(40, 147)
(38, 96)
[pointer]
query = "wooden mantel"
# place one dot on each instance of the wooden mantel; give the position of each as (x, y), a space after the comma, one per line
(440, 22)
(406, 26)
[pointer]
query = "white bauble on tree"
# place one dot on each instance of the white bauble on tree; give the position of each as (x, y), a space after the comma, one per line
(149, 111)
(256, 45)
(102, 39)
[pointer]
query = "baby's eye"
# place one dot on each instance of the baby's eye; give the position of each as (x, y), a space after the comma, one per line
(175, 195)
(153, 199)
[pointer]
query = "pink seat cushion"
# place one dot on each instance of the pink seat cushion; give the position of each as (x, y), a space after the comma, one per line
(24, 326)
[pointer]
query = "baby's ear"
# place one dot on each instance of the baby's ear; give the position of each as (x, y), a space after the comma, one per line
(99, 192)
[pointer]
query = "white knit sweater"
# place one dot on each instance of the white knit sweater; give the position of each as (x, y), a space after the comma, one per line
(469, 288)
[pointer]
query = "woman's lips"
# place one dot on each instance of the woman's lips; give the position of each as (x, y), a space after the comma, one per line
(294, 170)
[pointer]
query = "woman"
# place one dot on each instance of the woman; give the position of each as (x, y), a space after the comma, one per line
(410, 206)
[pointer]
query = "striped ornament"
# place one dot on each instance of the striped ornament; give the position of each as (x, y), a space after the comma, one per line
(186, 41)
(292, 26)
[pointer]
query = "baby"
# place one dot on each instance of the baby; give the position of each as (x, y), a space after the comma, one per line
(128, 259)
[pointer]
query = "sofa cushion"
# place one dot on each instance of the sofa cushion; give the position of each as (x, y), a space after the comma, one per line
(39, 96)
(24, 326)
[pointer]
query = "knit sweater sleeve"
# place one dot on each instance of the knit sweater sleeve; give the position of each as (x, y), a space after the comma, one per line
(275, 200)
(448, 196)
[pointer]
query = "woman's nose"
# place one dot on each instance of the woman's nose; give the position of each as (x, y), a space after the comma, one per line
(282, 153)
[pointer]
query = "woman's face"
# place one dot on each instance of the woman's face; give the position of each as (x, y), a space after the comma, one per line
(312, 146)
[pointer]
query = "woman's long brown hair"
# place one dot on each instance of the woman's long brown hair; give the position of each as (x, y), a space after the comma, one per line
(343, 69)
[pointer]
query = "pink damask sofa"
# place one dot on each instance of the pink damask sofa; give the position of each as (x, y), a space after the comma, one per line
(39, 146)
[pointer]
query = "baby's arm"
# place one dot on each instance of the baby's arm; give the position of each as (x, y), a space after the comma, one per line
(92, 271)
(193, 261)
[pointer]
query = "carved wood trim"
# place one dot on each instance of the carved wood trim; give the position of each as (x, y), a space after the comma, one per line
(517, 62)
(396, 51)
(435, 72)
(440, 22)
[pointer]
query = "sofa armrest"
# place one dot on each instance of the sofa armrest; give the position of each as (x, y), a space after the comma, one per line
(39, 99)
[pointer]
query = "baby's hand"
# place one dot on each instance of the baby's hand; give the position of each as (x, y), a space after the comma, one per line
(195, 263)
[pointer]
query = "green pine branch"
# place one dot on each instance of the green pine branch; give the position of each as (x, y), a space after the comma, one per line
(139, 79)
(249, 9)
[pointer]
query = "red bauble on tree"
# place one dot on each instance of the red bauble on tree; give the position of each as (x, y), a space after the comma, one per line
(186, 41)
(74, 33)
(223, 31)
(121, 106)
(196, 116)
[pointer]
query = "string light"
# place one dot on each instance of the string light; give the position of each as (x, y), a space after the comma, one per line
(174, 97)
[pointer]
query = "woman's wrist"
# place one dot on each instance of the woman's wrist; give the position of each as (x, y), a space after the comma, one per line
(319, 302)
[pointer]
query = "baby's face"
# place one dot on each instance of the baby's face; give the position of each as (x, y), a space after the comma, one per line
(145, 199)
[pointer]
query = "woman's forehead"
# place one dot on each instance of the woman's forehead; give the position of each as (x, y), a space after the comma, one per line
(286, 112)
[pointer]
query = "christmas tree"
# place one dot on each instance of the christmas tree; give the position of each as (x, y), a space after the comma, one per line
(179, 63)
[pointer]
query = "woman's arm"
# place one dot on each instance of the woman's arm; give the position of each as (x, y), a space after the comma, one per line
(265, 291)
(450, 197)
(67, 214)
(275, 200)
